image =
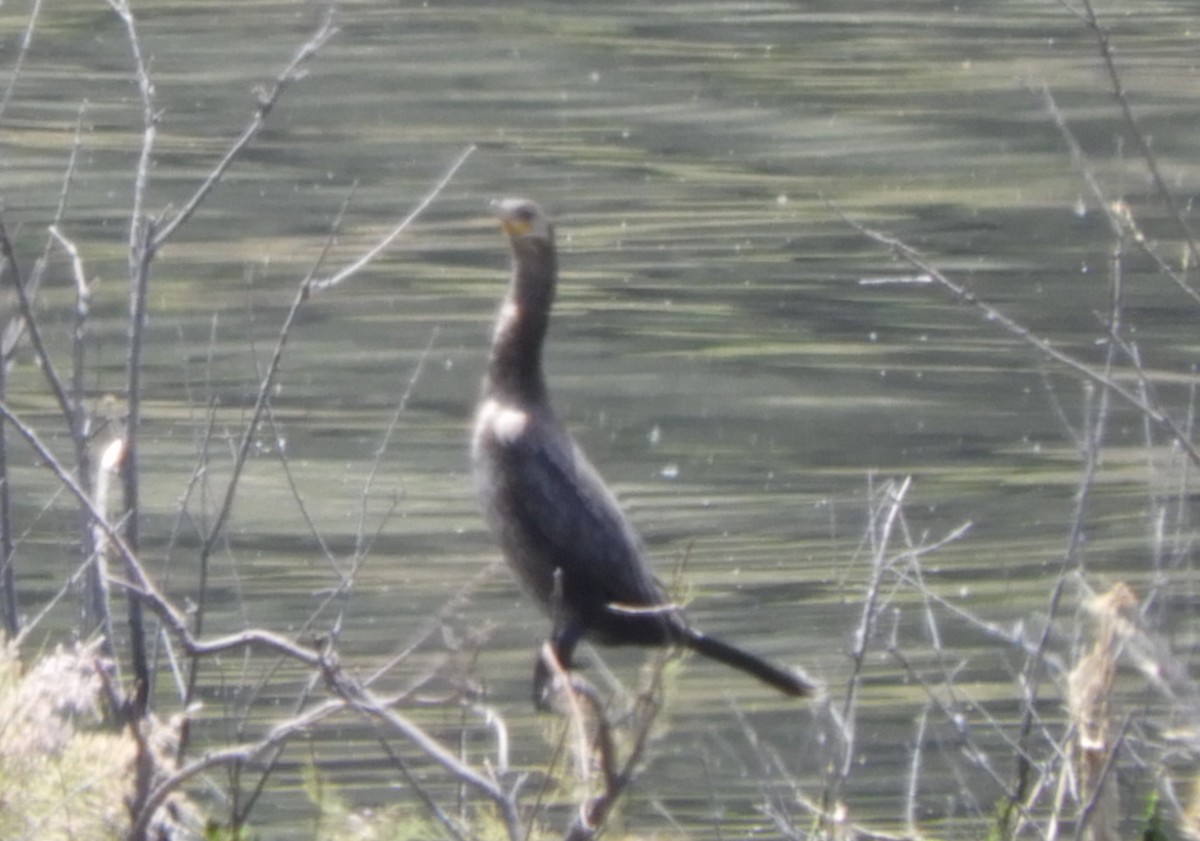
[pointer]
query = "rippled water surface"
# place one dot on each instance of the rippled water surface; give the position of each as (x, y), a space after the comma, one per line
(739, 362)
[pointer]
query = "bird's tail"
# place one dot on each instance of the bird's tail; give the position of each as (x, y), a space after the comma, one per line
(786, 681)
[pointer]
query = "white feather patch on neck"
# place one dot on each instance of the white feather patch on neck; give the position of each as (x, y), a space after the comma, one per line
(506, 423)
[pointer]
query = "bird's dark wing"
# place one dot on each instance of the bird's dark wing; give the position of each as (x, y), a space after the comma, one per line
(569, 520)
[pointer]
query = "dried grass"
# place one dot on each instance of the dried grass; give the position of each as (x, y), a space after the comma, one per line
(61, 775)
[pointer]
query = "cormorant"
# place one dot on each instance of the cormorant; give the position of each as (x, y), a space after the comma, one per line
(558, 525)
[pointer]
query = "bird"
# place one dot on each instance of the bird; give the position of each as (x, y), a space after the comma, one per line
(558, 525)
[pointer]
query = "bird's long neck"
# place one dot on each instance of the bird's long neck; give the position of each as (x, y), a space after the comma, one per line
(515, 368)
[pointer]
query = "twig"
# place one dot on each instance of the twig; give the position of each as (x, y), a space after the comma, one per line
(1135, 129)
(95, 602)
(452, 606)
(363, 700)
(390, 237)
(70, 583)
(215, 530)
(141, 255)
(22, 52)
(26, 314)
(593, 815)
(8, 572)
(949, 708)
(880, 536)
(423, 794)
(990, 629)
(141, 586)
(914, 774)
(278, 735)
(251, 431)
(990, 313)
(291, 73)
(308, 286)
(77, 272)
(140, 258)
(389, 432)
(96, 605)
(144, 242)
(1120, 215)
(211, 533)
(15, 329)
(303, 293)
(242, 808)
(138, 245)
(297, 495)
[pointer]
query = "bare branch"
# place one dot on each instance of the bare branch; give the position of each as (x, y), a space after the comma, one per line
(15, 329)
(381, 246)
(141, 585)
(884, 515)
(362, 699)
(22, 52)
(25, 310)
(1119, 215)
(137, 244)
(1135, 129)
(8, 559)
(307, 286)
(1152, 411)
(266, 103)
(141, 255)
(393, 422)
(140, 259)
(278, 735)
(77, 272)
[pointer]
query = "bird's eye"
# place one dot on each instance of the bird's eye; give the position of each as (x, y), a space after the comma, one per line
(525, 214)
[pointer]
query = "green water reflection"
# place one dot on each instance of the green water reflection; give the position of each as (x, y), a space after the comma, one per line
(714, 347)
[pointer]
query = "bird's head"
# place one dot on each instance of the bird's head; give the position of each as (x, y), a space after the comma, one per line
(523, 222)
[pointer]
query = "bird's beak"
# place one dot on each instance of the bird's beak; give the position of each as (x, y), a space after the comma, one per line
(512, 226)
(515, 227)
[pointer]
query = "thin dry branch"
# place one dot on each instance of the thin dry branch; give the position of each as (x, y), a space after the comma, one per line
(26, 315)
(141, 586)
(279, 735)
(8, 575)
(212, 533)
(141, 255)
(140, 259)
(950, 712)
(145, 239)
(1149, 409)
(884, 515)
(149, 132)
(307, 286)
(19, 61)
(14, 331)
(1120, 216)
(593, 813)
(360, 542)
(267, 101)
(363, 261)
(360, 698)
(1095, 418)
(1117, 85)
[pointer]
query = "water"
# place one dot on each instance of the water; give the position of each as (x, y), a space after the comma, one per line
(738, 361)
